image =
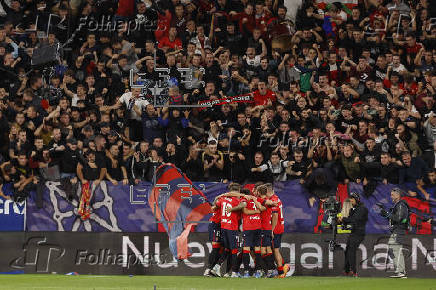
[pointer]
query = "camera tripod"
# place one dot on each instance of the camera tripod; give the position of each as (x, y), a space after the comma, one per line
(333, 245)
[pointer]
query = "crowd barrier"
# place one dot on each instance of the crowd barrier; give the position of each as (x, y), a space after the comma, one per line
(148, 254)
(125, 209)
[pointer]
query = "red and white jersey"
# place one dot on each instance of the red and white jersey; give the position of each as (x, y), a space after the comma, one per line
(251, 221)
(280, 226)
(229, 220)
(216, 215)
(266, 217)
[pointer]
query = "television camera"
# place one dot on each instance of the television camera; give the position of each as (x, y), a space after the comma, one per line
(332, 208)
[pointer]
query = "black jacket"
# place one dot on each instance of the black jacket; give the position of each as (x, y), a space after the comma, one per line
(326, 188)
(399, 217)
(69, 160)
(357, 219)
(430, 158)
(390, 173)
(193, 168)
(235, 171)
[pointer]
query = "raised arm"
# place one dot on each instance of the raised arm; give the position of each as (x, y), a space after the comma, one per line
(264, 49)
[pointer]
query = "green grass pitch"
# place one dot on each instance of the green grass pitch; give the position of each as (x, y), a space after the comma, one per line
(51, 282)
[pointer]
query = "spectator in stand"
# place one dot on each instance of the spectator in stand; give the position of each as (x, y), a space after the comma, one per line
(171, 41)
(389, 171)
(409, 140)
(235, 167)
(275, 167)
(130, 100)
(68, 165)
(413, 170)
(428, 187)
(213, 162)
(430, 157)
(264, 96)
(193, 165)
(139, 164)
(20, 144)
(90, 170)
(116, 172)
(256, 172)
(155, 160)
(349, 160)
(20, 175)
(430, 128)
(299, 167)
(369, 165)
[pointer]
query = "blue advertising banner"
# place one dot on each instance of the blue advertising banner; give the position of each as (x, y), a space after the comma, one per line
(12, 215)
(126, 209)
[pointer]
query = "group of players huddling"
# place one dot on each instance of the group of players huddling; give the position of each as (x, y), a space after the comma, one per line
(260, 216)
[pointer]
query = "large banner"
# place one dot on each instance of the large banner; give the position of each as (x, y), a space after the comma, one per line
(12, 215)
(179, 205)
(126, 209)
(114, 209)
(148, 254)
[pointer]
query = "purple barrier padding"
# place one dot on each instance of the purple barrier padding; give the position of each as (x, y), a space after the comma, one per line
(125, 209)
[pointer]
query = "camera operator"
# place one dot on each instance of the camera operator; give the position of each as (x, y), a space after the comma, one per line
(399, 222)
(357, 219)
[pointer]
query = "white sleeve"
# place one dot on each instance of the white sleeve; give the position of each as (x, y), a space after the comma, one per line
(74, 100)
(144, 103)
(124, 99)
(263, 167)
(141, 104)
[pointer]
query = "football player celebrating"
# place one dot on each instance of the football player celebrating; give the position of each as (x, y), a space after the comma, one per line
(214, 267)
(251, 227)
(266, 243)
(278, 227)
(215, 238)
(231, 207)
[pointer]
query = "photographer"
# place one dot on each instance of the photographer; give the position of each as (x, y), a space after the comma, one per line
(357, 218)
(399, 222)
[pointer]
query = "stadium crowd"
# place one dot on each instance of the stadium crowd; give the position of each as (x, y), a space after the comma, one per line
(341, 94)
